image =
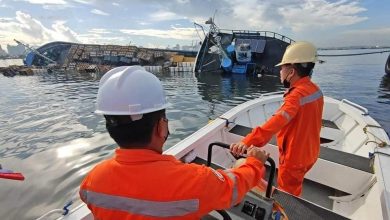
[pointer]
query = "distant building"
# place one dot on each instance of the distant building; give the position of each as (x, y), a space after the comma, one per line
(177, 47)
(16, 50)
(191, 48)
(2, 52)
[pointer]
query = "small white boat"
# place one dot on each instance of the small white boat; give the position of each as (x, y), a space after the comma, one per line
(350, 180)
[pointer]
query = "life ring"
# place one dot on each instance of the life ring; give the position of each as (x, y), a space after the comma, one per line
(387, 66)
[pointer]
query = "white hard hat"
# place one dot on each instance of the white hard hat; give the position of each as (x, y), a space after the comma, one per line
(130, 90)
(299, 52)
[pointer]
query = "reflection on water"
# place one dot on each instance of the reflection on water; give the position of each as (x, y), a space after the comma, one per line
(384, 90)
(228, 87)
(49, 132)
(51, 106)
(383, 107)
(223, 92)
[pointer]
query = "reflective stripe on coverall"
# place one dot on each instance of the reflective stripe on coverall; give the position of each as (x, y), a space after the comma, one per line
(143, 184)
(297, 124)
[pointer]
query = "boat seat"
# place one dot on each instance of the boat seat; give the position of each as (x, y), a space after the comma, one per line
(240, 130)
(326, 153)
(346, 159)
(329, 124)
(298, 208)
(330, 132)
(243, 131)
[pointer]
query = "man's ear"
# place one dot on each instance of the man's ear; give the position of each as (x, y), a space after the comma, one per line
(293, 72)
(160, 128)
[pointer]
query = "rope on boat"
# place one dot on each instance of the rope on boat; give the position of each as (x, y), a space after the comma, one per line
(64, 211)
(227, 122)
(379, 142)
(352, 54)
(58, 211)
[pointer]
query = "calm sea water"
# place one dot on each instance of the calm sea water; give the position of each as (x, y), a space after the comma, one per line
(48, 130)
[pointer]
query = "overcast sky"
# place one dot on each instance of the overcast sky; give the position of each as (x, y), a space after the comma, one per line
(162, 23)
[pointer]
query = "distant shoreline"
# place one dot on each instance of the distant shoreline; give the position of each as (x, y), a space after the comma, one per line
(11, 57)
(11, 62)
(319, 48)
(355, 48)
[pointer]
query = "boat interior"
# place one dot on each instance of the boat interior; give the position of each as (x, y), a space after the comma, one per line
(335, 188)
(341, 185)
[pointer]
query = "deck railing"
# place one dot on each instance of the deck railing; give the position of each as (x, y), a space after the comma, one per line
(261, 34)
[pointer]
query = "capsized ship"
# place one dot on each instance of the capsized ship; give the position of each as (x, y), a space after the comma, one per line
(240, 51)
(75, 56)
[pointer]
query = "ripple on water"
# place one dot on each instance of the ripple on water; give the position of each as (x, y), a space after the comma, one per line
(49, 132)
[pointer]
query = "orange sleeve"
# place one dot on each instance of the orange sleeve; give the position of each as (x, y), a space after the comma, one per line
(225, 188)
(262, 134)
(83, 186)
(248, 175)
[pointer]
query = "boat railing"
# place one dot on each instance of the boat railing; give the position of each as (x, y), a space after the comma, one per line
(359, 107)
(270, 34)
(272, 93)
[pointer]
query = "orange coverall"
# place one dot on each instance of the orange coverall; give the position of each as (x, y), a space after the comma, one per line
(297, 124)
(143, 184)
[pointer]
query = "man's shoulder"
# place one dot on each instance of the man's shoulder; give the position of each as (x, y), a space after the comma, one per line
(294, 93)
(305, 88)
(103, 165)
(197, 169)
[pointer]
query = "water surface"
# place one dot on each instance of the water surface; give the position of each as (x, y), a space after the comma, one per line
(48, 130)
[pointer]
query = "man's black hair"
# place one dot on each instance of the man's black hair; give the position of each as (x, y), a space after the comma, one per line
(127, 133)
(304, 69)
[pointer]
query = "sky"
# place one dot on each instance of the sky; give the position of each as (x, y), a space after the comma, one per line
(165, 23)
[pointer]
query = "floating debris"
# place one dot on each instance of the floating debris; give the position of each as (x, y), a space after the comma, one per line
(12, 71)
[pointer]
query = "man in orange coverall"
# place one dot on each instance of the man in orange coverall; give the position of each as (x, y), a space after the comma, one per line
(297, 122)
(139, 182)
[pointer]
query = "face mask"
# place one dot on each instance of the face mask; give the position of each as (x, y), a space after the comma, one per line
(166, 137)
(286, 84)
